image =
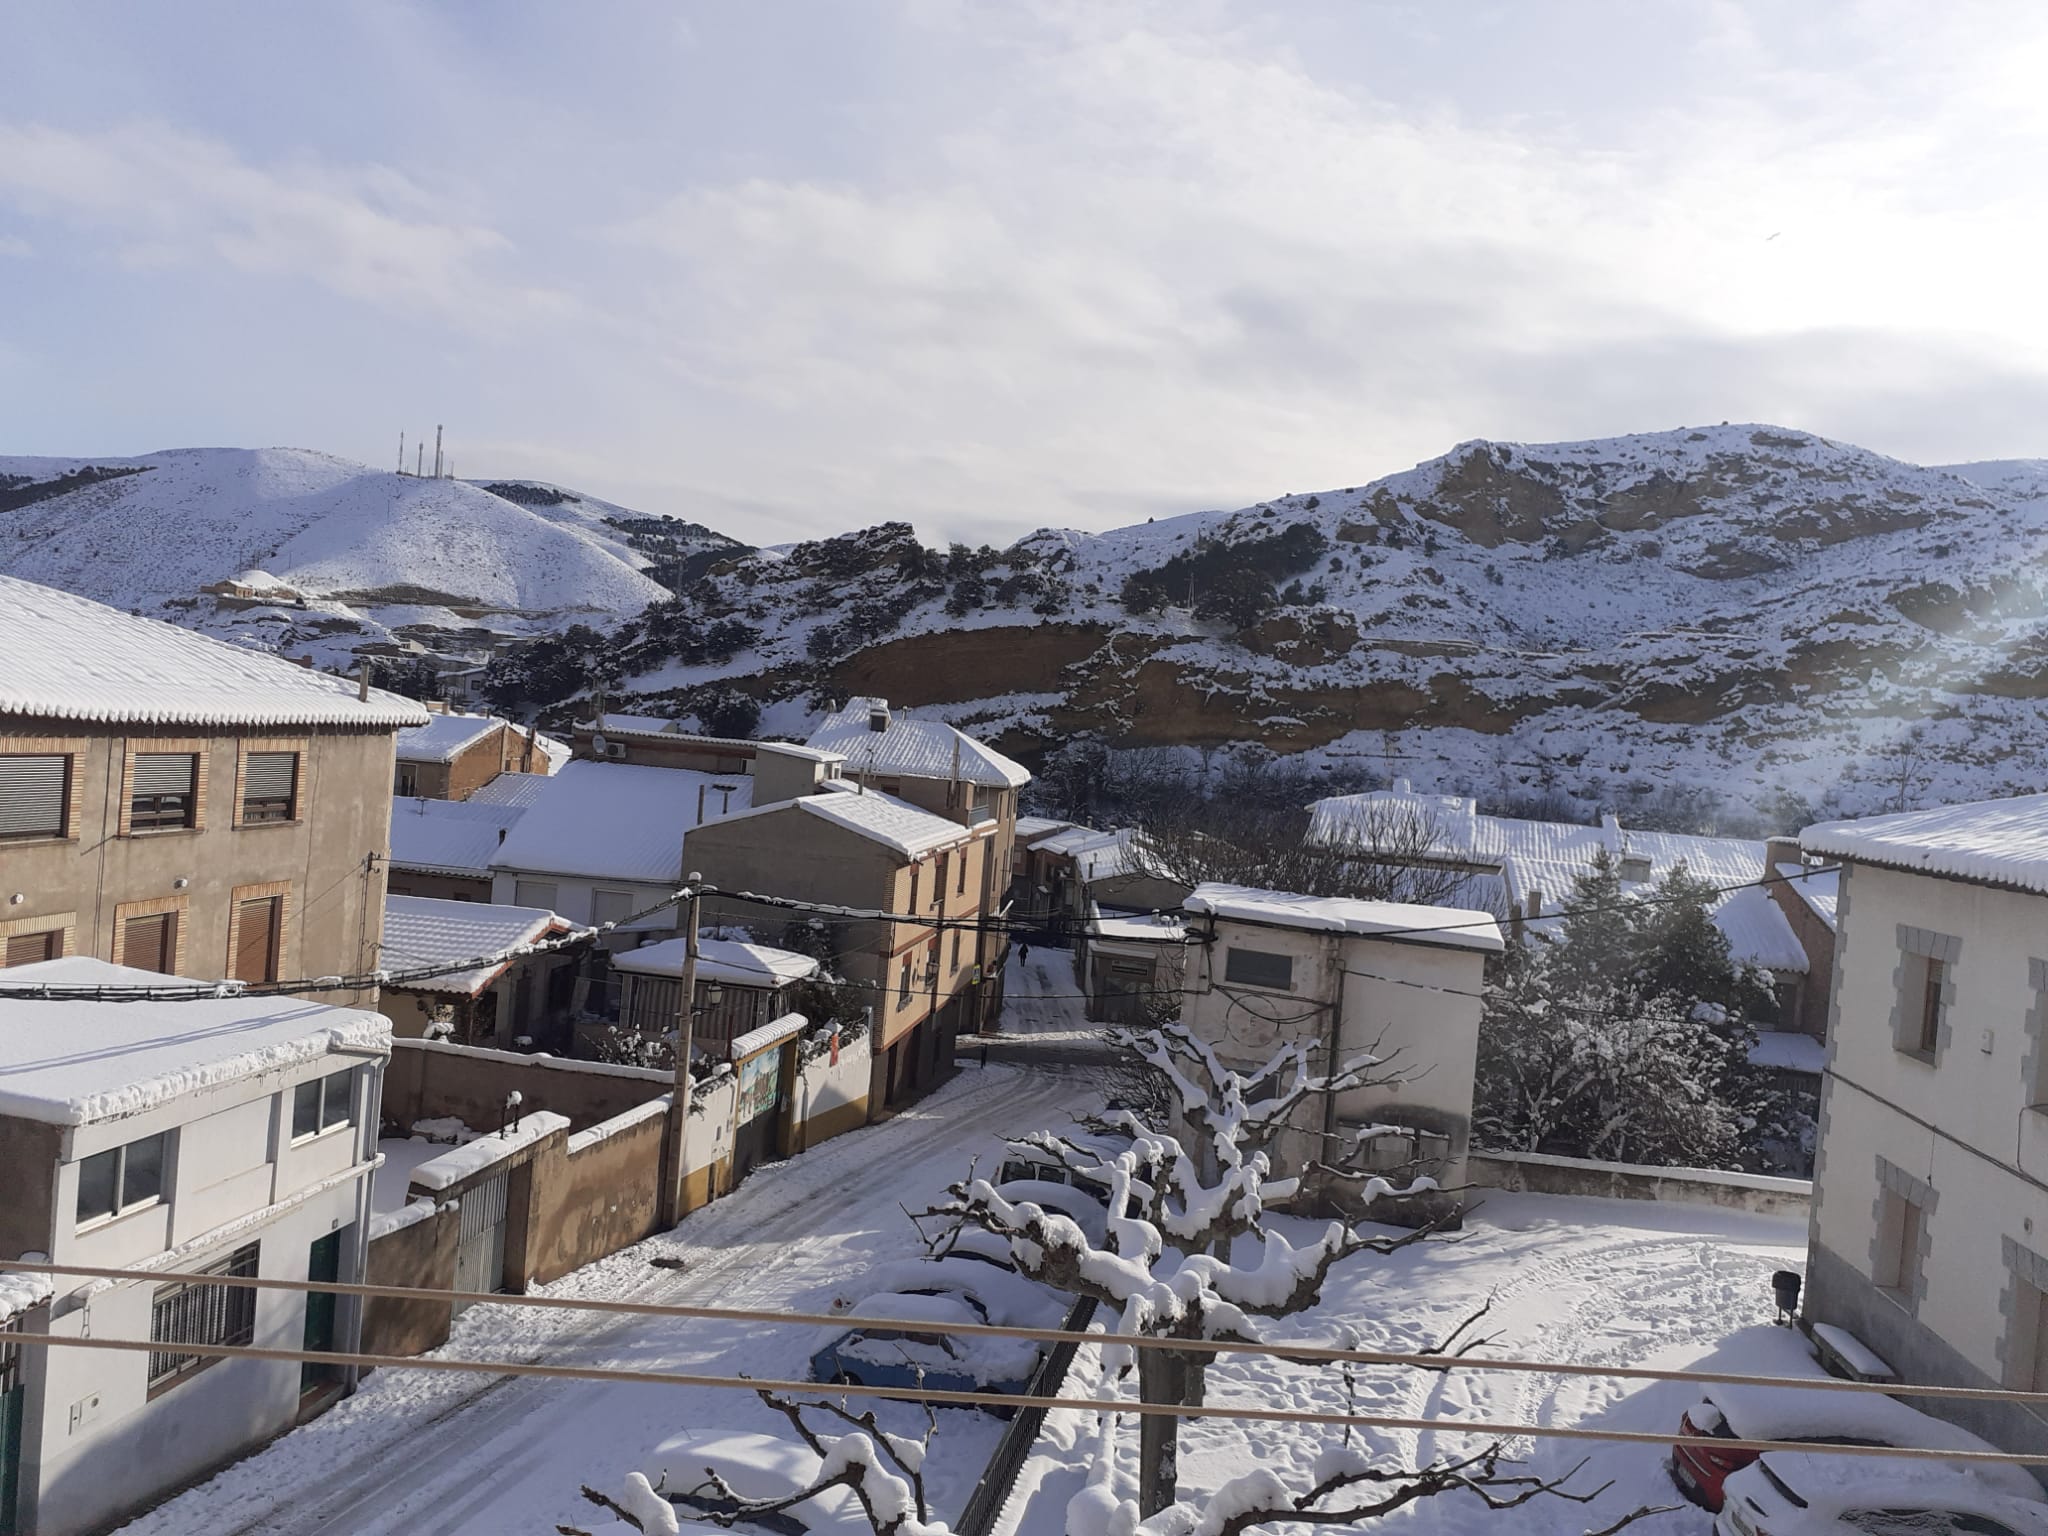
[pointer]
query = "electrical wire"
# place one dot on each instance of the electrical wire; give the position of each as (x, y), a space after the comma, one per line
(946, 1398)
(1296, 1353)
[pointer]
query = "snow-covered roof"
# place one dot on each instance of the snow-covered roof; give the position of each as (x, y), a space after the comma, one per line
(520, 789)
(896, 824)
(655, 725)
(1031, 828)
(421, 930)
(1758, 931)
(1997, 842)
(912, 748)
(1452, 927)
(727, 961)
(450, 837)
(71, 1063)
(443, 736)
(67, 658)
(618, 821)
(1143, 927)
(1820, 892)
(556, 752)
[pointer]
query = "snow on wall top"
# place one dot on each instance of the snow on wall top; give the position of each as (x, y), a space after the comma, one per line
(72, 1063)
(917, 749)
(1452, 927)
(773, 1032)
(728, 961)
(457, 837)
(68, 658)
(421, 930)
(618, 821)
(1999, 842)
(443, 736)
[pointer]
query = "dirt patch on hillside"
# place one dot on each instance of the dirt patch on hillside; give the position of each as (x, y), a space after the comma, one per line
(953, 666)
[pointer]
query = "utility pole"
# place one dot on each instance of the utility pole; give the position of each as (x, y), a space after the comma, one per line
(419, 460)
(686, 1031)
(401, 452)
(437, 452)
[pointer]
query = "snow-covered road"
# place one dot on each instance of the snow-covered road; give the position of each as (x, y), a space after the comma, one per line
(444, 1455)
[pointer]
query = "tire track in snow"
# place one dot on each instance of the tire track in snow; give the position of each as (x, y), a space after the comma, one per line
(747, 1246)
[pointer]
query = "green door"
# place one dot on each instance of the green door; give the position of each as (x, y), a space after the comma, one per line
(11, 1391)
(323, 1262)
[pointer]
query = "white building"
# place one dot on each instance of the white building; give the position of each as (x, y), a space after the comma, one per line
(602, 841)
(1353, 978)
(1930, 1210)
(228, 1136)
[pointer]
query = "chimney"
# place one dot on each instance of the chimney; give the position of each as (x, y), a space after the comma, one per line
(1781, 850)
(878, 715)
(1634, 866)
(363, 681)
(1532, 904)
(700, 803)
(501, 831)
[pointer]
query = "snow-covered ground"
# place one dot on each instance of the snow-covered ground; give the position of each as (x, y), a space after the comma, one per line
(1592, 1281)
(1584, 1280)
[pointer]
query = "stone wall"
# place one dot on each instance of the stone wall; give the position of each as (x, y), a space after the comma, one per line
(430, 1079)
(1539, 1173)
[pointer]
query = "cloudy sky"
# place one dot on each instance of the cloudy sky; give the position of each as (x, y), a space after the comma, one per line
(787, 268)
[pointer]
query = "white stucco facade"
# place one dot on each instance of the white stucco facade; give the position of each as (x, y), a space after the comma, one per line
(105, 1432)
(1958, 1131)
(1412, 1002)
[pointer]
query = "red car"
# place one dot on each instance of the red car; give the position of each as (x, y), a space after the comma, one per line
(1752, 1412)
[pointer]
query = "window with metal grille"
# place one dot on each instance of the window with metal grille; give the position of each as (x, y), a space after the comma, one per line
(162, 790)
(124, 1178)
(28, 948)
(323, 1103)
(193, 1312)
(1259, 968)
(33, 792)
(270, 784)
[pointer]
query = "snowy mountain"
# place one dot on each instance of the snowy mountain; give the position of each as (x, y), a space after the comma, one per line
(357, 556)
(1742, 616)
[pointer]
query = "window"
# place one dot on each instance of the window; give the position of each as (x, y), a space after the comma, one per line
(194, 1312)
(151, 943)
(610, 906)
(122, 1179)
(322, 1104)
(408, 779)
(1259, 968)
(956, 949)
(163, 791)
(1924, 1001)
(534, 893)
(915, 872)
(2026, 1353)
(960, 888)
(257, 934)
(939, 879)
(270, 786)
(903, 987)
(34, 796)
(28, 948)
(1901, 1226)
(1399, 1147)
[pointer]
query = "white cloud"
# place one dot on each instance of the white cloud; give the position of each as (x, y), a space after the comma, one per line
(14, 245)
(165, 197)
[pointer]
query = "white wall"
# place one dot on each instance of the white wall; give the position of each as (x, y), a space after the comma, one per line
(573, 899)
(1960, 1125)
(234, 1177)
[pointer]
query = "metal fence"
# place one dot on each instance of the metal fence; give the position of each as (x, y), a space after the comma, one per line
(999, 1477)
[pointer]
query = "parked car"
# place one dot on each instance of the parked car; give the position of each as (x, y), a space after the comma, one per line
(754, 1466)
(1740, 1411)
(945, 1291)
(1797, 1493)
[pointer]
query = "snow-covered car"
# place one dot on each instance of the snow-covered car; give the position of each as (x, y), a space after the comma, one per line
(1799, 1493)
(1084, 1209)
(947, 1292)
(1742, 1411)
(754, 1466)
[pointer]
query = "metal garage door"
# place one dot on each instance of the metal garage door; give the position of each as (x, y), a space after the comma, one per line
(480, 1252)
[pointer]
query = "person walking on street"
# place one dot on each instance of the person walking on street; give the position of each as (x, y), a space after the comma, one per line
(1023, 950)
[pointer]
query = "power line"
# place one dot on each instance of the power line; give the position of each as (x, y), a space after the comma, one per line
(944, 1397)
(1302, 1353)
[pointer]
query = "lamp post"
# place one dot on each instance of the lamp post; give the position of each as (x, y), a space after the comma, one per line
(686, 1011)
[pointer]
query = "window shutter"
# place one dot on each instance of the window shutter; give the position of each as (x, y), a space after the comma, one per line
(32, 796)
(270, 776)
(256, 940)
(164, 773)
(28, 948)
(146, 942)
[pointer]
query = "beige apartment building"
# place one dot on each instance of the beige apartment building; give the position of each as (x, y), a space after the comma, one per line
(175, 804)
(875, 853)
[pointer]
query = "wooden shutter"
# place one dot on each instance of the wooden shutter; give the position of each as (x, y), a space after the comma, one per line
(256, 939)
(149, 943)
(268, 779)
(32, 796)
(163, 773)
(28, 948)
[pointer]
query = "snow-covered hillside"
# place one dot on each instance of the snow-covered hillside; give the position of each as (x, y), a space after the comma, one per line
(376, 556)
(1742, 612)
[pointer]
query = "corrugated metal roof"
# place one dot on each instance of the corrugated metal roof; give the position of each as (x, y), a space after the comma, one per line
(443, 736)
(1998, 842)
(420, 930)
(67, 658)
(618, 821)
(912, 748)
(456, 837)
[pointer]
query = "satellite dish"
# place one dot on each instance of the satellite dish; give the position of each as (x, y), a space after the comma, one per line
(597, 743)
